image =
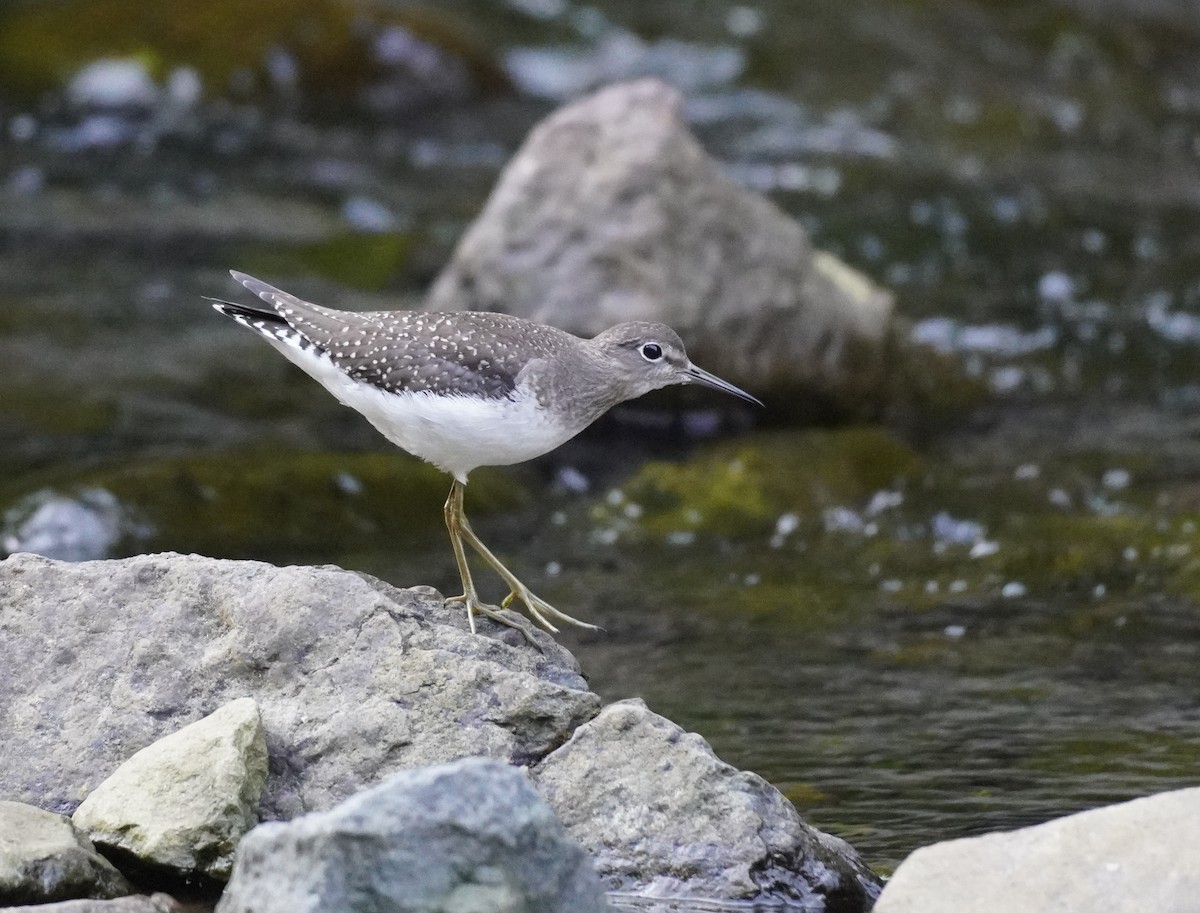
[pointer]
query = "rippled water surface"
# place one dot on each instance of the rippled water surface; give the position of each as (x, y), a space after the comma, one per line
(967, 618)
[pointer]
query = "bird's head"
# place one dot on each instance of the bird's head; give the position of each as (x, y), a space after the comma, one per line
(649, 356)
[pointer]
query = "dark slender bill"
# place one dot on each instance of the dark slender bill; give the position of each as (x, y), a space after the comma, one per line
(700, 376)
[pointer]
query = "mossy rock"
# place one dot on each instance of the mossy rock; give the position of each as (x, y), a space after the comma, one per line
(364, 260)
(43, 44)
(742, 487)
(262, 505)
(728, 503)
(83, 415)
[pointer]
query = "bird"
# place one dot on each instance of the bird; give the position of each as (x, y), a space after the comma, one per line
(464, 389)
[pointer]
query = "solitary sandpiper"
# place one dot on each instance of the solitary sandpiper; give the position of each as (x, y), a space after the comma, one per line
(469, 388)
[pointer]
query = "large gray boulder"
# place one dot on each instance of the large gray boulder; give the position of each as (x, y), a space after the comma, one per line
(663, 816)
(184, 802)
(612, 211)
(1126, 858)
(469, 836)
(355, 679)
(44, 859)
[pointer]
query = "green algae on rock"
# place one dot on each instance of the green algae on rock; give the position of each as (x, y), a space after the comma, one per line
(365, 260)
(43, 44)
(742, 487)
(253, 504)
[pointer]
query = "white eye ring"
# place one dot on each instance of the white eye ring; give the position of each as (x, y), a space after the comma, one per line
(651, 351)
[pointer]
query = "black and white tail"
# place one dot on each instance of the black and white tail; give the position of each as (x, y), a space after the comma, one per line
(267, 323)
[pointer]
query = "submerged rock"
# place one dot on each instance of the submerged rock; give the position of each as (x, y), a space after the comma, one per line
(612, 211)
(44, 859)
(78, 528)
(186, 800)
(472, 836)
(1126, 858)
(113, 82)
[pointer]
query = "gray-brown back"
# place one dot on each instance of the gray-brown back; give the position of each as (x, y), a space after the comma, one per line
(469, 353)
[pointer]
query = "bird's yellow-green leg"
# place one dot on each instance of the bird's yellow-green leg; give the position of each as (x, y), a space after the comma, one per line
(537, 606)
(456, 523)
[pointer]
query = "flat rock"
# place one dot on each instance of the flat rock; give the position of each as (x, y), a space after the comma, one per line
(136, 903)
(185, 801)
(612, 211)
(469, 836)
(1126, 858)
(355, 679)
(132, 904)
(662, 815)
(44, 859)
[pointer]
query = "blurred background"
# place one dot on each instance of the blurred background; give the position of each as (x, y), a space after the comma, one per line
(975, 610)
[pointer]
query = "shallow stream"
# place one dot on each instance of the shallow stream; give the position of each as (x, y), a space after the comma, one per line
(968, 616)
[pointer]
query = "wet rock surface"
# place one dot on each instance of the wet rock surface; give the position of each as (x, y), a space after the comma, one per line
(471, 835)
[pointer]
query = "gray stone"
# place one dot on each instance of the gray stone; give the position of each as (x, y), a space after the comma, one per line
(138, 903)
(355, 678)
(467, 837)
(662, 815)
(78, 528)
(43, 859)
(185, 801)
(1127, 858)
(133, 904)
(612, 211)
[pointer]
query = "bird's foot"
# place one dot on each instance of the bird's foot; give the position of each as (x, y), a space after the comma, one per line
(539, 609)
(476, 606)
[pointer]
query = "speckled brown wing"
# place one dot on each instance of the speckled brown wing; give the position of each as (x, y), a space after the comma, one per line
(466, 353)
(469, 353)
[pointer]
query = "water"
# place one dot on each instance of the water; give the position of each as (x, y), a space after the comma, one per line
(633, 903)
(979, 618)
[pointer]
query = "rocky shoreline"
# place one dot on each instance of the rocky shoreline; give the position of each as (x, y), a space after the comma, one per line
(273, 739)
(159, 699)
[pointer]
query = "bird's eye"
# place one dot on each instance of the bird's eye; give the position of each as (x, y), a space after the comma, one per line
(652, 351)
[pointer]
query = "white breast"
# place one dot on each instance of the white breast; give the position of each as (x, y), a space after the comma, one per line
(454, 433)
